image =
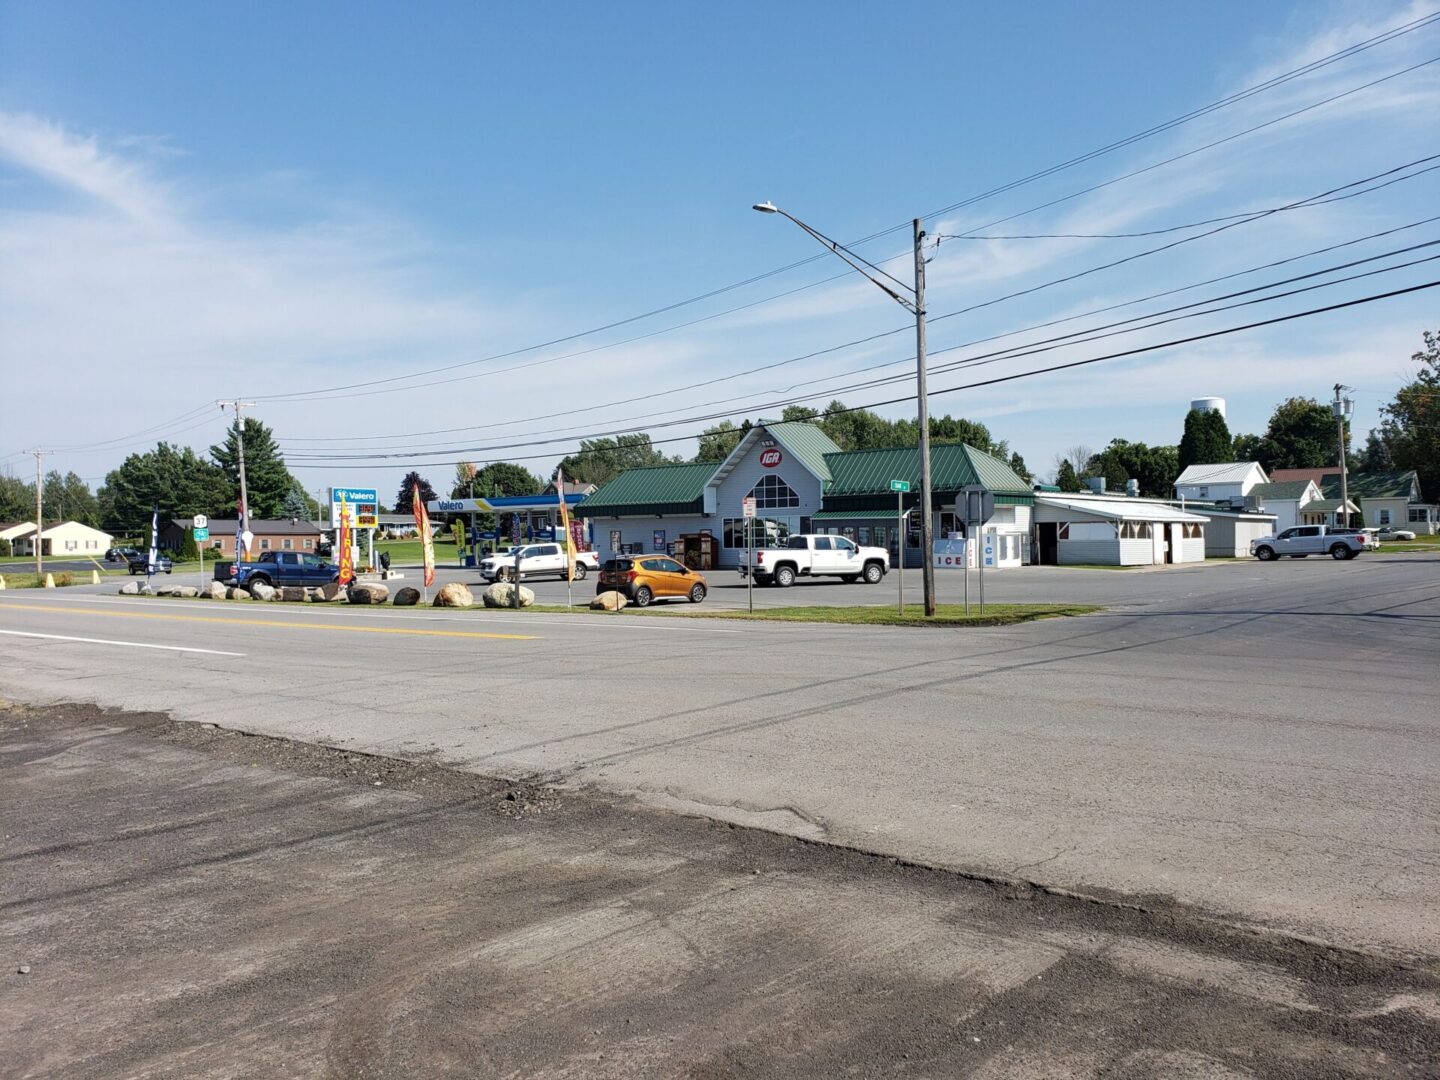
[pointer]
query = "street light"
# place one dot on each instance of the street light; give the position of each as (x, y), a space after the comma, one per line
(915, 304)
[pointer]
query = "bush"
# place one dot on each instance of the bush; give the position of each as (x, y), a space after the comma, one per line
(62, 580)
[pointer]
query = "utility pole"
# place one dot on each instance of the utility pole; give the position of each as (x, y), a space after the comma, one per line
(239, 406)
(1342, 408)
(927, 562)
(39, 513)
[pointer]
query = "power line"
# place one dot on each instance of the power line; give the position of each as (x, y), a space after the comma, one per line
(1389, 35)
(449, 459)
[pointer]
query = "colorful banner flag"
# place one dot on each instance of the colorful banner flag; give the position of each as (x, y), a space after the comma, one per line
(427, 543)
(342, 537)
(565, 525)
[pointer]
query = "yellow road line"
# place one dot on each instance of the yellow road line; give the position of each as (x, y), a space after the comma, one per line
(280, 625)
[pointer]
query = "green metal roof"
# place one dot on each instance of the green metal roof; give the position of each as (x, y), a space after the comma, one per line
(1326, 506)
(952, 466)
(1371, 485)
(806, 442)
(854, 515)
(660, 489)
(1280, 489)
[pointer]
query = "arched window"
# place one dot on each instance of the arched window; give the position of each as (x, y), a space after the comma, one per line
(772, 493)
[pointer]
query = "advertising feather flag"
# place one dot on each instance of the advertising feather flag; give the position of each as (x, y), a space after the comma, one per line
(427, 541)
(347, 555)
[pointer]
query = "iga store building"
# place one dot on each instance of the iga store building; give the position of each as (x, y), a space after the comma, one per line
(803, 483)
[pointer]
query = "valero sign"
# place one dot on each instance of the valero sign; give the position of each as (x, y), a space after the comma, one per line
(770, 458)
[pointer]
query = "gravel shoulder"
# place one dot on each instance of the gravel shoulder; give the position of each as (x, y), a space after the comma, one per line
(190, 901)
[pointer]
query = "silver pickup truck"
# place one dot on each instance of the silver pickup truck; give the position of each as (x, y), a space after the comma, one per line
(1305, 540)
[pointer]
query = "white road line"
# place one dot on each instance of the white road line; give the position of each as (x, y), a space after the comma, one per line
(131, 644)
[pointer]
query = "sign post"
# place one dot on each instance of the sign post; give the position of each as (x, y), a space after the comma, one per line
(747, 509)
(201, 525)
(900, 487)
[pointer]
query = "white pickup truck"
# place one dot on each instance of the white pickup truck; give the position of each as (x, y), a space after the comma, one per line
(537, 560)
(1303, 540)
(818, 555)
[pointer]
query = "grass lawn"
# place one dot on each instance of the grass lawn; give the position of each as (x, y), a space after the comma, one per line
(408, 551)
(945, 614)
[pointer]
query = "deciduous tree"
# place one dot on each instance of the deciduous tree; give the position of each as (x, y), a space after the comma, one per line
(1411, 425)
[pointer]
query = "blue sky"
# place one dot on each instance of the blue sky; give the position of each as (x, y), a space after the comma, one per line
(290, 198)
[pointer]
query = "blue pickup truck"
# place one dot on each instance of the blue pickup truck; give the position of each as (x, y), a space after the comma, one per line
(280, 568)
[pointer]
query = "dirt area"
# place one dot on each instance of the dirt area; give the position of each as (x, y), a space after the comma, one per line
(181, 900)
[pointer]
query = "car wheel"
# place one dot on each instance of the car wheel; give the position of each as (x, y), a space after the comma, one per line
(697, 593)
(169, 570)
(784, 577)
(580, 571)
(873, 573)
(1340, 552)
(1264, 554)
(643, 596)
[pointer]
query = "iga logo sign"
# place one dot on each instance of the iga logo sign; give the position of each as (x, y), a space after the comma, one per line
(770, 458)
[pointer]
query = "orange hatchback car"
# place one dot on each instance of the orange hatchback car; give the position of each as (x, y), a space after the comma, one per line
(642, 579)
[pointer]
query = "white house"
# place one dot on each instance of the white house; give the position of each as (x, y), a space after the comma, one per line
(1115, 530)
(1219, 483)
(1286, 499)
(67, 538)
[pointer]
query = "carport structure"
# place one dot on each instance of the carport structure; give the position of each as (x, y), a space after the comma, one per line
(537, 514)
(1115, 530)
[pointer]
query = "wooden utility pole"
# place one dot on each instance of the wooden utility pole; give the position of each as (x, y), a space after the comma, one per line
(39, 513)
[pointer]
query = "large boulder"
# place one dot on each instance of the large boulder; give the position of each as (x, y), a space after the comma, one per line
(130, 588)
(261, 590)
(454, 594)
(369, 592)
(235, 592)
(189, 592)
(333, 591)
(215, 590)
(608, 601)
(291, 594)
(502, 595)
(407, 597)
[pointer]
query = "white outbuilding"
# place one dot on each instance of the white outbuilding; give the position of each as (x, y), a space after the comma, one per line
(1115, 530)
(1229, 480)
(66, 538)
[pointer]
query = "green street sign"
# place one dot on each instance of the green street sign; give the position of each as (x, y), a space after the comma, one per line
(899, 485)
(201, 534)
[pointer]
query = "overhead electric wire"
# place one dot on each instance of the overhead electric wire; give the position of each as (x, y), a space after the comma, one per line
(629, 427)
(448, 459)
(1386, 36)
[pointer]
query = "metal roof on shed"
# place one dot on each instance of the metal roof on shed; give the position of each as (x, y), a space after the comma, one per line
(659, 489)
(1119, 509)
(952, 466)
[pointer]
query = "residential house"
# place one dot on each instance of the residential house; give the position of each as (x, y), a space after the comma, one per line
(1226, 482)
(1377, 498)
(288, 534)
(1286, 499)
(60, 539)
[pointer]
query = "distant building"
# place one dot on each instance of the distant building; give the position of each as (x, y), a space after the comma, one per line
(289, 534)
(62, 538)
(1220, 482)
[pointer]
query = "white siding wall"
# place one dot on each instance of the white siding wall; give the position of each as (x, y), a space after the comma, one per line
(1212, 491)
(742, 480)
(1190, 551)
(1097, 552)
(1399, 512)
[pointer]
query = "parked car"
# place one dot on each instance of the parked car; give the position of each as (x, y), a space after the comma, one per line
(642, 579)
(139, 563)
(1368, 538)
(1304, 540)
(818, 555)
(282, 568)
(121, 554)
(1392, 532)
(537, 560)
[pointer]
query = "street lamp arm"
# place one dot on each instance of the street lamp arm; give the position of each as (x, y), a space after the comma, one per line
(855, 262)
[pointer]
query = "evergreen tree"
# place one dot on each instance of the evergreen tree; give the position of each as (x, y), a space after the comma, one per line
(1066, 478)
(267, 480)
(68, 498)
(404, 498)
(1206, 440)
(1017, 463)
(297, 504)
(189, 550)
(17, 500)
(178, 481)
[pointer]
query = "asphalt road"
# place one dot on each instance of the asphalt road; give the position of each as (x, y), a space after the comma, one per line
(186, 902)
(1255, 740)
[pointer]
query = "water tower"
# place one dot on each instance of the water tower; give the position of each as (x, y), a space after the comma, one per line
(1209, 404)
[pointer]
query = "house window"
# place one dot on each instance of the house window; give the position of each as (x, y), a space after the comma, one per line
(217, 545)
(309, 544)
(1204, 492)
(772, 493)
(264, 543)
(1382, 517)
(287, 544)
(1417, 515)
(69, 545)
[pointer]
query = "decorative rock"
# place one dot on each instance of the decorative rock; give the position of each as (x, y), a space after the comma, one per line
(502, 595)
(292, 594)
(262, 591)
(608, 601)
(215, 590)
(454, 594)
(234, 592)
(333, 591)
(189, 592)
(407, 597)
(369, 593)
(130, 588)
